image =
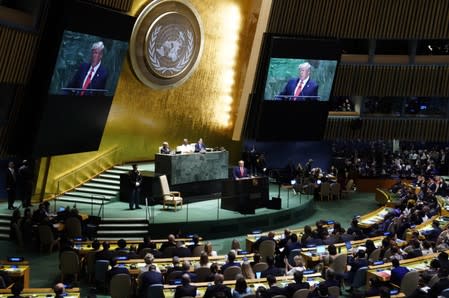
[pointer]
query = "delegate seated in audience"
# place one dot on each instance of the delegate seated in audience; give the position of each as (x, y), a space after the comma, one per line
(285, 239)
(186, 289)
(186, 270)
(230, 262)
(329, 258)
(272, 269)
(241, 289)
(148, 278)
(146, 244)
(181, 250)
(213, 271)
(196, 242)
(358, 262)
(235, 245)
(444, 260)
(175, 266)
(440, 285)
(171, 242)
(59, 290)
(105, 253)
(121, 249)
(397, 273)
(270, 236)
(218, 289)
(209, 250)
(204, 261)
(148, 259)
(273, 289)
(256, 259)
(116, 269)
(297, 285)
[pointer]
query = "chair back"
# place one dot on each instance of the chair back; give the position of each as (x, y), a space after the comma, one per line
(69, 262)
(335, 190)
(387, 254)
(260, 267)
(46, 237)
(375, 255)
(359, 278)
(101, 269)
(349, 185)
(266, 248)
(301, 293)
(72, 226)
(155, 291)
(325, 189)
(334, 291)
(409, 282)
(196, 252)
(90, 263)
(202, 273)
(173, 275)
(339, 263)
(120, 286)
(164, 185)
(231, 272)
(168, 252)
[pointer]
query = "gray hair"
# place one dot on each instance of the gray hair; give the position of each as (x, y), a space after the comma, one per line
(99, 45)
(305, 65)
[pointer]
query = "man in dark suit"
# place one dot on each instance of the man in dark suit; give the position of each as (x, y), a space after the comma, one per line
(116, 269)
(397, 273)
(273, 290)
(230, 262)
(301, 88)
(10, 184)
(199, 146)
(240, 171)
(90, 78)
(440, 285)
(148, 278)
(181, 250)
(105, 254)
(218, 289)
(297, 285)
(135, 180)
(186, 290)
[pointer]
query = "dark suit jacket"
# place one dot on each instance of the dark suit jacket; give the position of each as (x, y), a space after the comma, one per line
(149, 278)
(437, 288)
(273, 291)
(187, 290)
(199, 147)
(97, 82)
(397, 274)
(10, 179)
(309, 89)
(293, 287)
(214, 289)
(237, 174)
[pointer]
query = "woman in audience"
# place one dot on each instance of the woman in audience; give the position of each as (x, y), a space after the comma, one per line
(213, 271)
(370, 247)
(256, 259)
(235, 246)
(247, 271)
(241, 288)
(209, 250)
(204, 261)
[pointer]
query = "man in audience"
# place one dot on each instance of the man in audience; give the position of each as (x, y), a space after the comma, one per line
(176, 265)
(440, 285)
(196, 242)
(59, 290)
(16, 290)
(146, 244)
(171, 242)
(444, 260)
(297, 285)
(148, 259)
(272, 269)
(273, 289)
(186, 289)
(105, 253)
(181, 250)
(218, 289)
(397, 273)
(116, 269)
(146, 279)
(270, 237)
(230, 262)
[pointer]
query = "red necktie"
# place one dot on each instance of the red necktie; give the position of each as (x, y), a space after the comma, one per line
(87, 82)
(298, 89)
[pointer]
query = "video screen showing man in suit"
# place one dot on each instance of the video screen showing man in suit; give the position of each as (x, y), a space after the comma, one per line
(303, 86)
(91, 77)
(293, 79)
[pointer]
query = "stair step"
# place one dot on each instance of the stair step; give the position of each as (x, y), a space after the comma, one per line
(4, 229)
(123, 168)
(96, 190)
(4, 236)
(107, 181)
(127, 220)
(81, 200)
(89, 195)
(109, 176)
(5, 221)
(102, 185)
(116, 171)
(134, 232)
(124, 226)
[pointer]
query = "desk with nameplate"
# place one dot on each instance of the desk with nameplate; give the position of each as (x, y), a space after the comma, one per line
(41, 292)
(426, 226)
(375, 217)
(17, 270)
(282, 281)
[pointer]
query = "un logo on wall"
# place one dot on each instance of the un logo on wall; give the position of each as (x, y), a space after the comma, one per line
(166, 43)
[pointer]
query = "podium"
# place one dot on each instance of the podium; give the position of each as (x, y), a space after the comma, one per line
(245, 195)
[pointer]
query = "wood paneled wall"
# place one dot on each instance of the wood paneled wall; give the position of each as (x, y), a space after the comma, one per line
(432, 130)
(378, 19)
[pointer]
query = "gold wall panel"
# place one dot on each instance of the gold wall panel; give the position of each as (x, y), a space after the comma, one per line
(205, 106)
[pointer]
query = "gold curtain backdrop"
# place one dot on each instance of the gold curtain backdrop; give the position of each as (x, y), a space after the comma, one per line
(205, 106)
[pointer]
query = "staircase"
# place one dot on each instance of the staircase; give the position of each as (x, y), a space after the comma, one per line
(105, 187)
(5, 220)
(122, 228)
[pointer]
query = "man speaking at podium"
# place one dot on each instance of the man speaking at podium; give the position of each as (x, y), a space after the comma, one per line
(90, 78)
(240, 171)
(301, 88)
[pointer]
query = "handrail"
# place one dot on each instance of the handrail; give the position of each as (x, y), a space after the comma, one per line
(72, 179)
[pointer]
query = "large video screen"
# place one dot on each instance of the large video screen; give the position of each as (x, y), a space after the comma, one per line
(299, 79)
(87, 65)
